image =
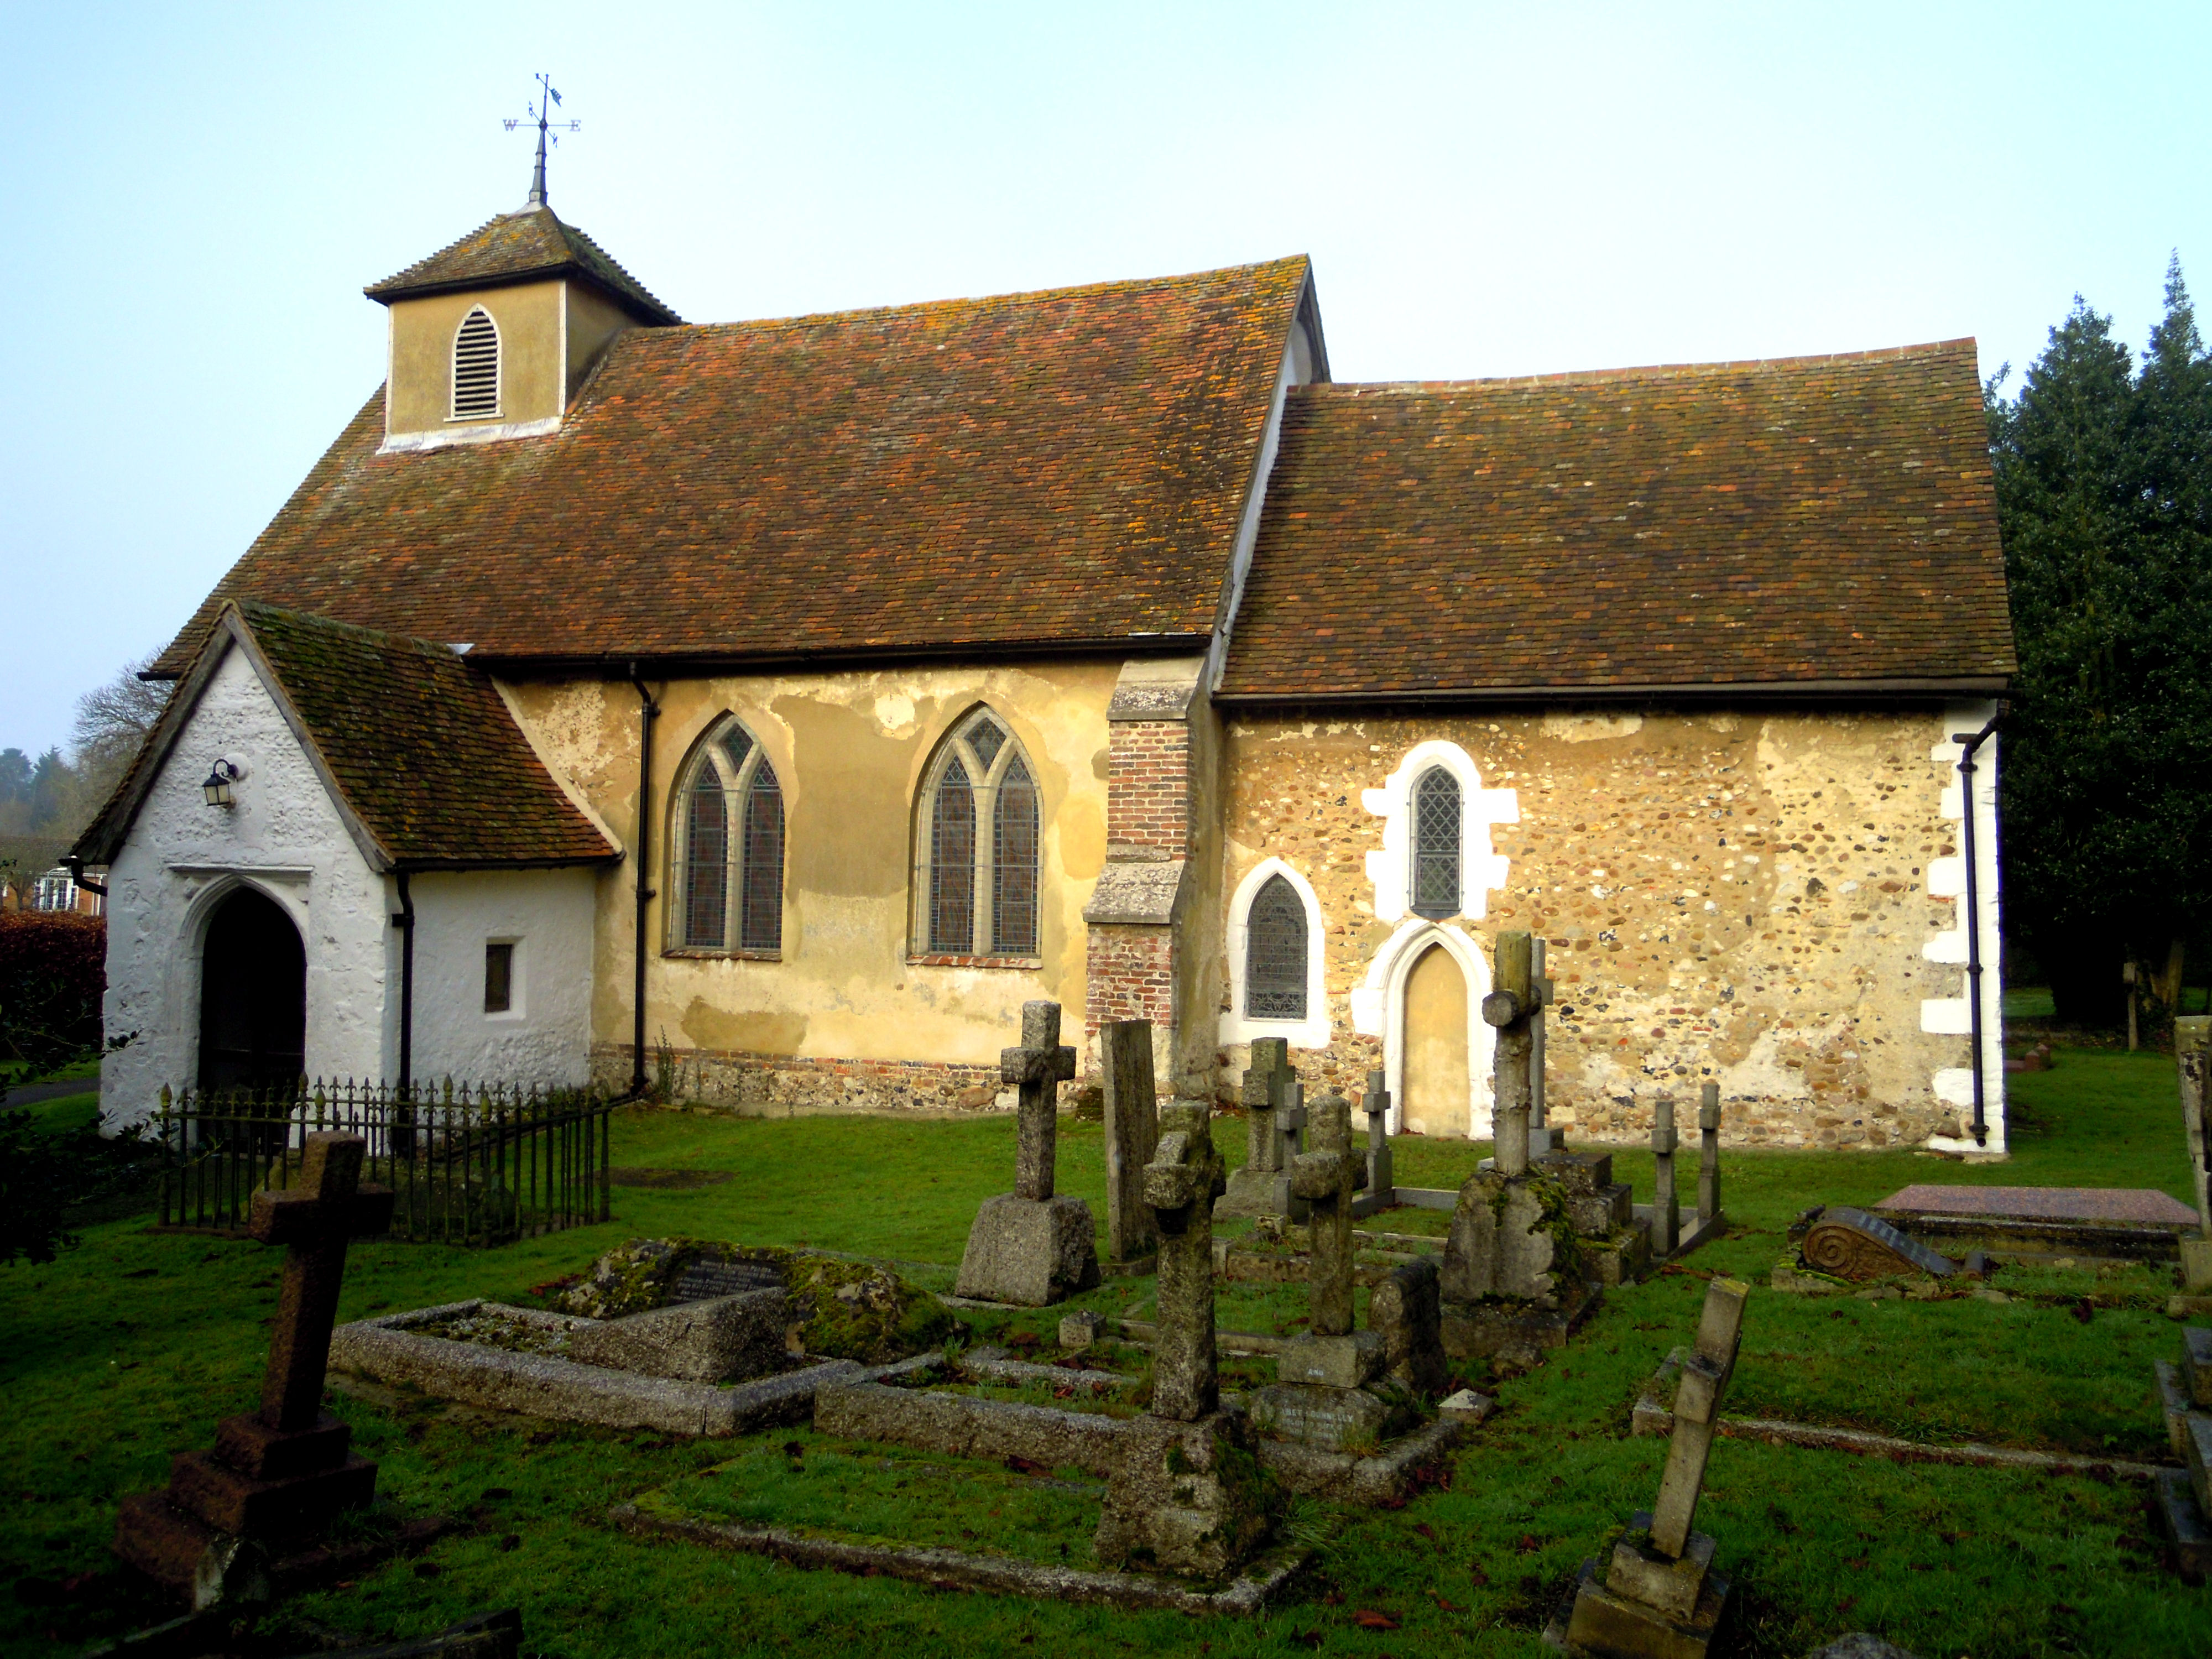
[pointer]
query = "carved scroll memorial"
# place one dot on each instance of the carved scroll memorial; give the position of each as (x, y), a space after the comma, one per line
(1848, 1243)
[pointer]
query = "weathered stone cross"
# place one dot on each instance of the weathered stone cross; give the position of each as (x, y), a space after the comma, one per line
(1326, 1178)
(1181, 1183)
(1263, 1083)
(1666, 1204)
(1039, 1067)
(1697, 1414)
(1380, 1178)
(1511, 1008)
(2193, 1054)
(314, 1220)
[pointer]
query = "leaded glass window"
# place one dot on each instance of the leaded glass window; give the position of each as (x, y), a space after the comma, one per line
(731, 848)
(978, 845)
(1437, 819)
(1275, 953)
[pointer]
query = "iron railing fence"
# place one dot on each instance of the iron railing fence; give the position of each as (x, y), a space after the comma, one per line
(472, 1164)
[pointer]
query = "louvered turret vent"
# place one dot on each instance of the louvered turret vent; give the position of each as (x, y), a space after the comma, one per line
(476, 368)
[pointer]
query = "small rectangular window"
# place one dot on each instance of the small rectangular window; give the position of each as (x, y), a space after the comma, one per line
(499, 978)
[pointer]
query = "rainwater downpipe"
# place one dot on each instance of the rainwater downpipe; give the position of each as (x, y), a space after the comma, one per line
(76, 867)
(1969, 744)
(404, 921)
(648, 711)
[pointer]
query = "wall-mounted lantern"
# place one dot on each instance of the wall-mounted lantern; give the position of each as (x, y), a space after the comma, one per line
(217, 788)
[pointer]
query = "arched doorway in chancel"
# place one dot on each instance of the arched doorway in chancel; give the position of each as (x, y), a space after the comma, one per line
(1435, 1064)
(254, 995)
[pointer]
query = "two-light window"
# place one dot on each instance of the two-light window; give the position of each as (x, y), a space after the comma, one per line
(731, 897)
(975, 845)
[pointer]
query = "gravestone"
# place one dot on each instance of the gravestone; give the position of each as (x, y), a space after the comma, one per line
(1404, 1312)
(1183, 1492)
(1666, 1206)
(1032, 1247)
(1271, 1089)
(1659, 1595)
(706, 1279)
(1848, 1243)
(2193, 1054)
(1710, 1217)
(1132, 1130)
(278, 1474)
(1380, 1191)
(1331, 1354)
(1511, 1271)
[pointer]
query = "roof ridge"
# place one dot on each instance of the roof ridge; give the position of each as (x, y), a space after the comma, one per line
(1072, 290)
(1879, 354)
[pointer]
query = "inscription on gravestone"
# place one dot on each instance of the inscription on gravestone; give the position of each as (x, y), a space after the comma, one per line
(703, 1281)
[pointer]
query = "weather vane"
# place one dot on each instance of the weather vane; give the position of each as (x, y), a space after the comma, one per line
(540, 114)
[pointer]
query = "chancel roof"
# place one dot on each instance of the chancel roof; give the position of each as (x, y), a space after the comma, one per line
(1027, 471)
(1804, 523)
(524, 247)
(417, 747)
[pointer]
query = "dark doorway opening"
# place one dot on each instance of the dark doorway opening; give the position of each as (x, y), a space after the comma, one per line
(253, 996)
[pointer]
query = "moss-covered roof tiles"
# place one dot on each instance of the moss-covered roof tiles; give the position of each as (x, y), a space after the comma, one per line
(524, 246)
(1823, 522)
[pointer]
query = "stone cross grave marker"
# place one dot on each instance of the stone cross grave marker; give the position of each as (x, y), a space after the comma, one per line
(1657, 1596)
(1182, 1181)
(2192, 1055)
(1381, 1182)
(1709, 1158)
(1510, 1009)
(1666, 1206)
(1133, 1130)
(1032, 1247)
(1273, 1107)
(1541, 1139)
(1038, 1067)
(287, 1468)
(1326, 1178)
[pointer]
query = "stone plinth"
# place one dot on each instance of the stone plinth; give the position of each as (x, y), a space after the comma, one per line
(1405, 1311)
(1509, 1237)
(1030, 1252)
(704, 1341)
(1349, 1361)
(1616, 1627)
(1188, 1497)
(1337, 1419)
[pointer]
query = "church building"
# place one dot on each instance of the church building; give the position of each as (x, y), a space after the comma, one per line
(778, 705)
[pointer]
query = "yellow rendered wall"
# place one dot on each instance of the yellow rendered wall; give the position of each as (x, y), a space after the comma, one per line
(849, 750)
(420, 392)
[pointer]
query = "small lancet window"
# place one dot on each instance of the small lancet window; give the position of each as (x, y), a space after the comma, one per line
(1436, 844)
(977, 844)
(476, 367)
(1275, 953)
(732, 848)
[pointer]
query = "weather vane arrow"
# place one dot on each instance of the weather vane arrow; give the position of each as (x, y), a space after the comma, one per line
(548, 130)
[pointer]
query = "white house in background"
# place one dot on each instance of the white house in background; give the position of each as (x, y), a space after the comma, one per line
(321, 809)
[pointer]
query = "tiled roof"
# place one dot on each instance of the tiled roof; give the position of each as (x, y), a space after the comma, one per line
(516, 247)
(1028, 471)
(1797, 522)
(418, 746)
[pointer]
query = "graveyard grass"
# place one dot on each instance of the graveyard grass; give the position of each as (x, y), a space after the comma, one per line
(133, 1346)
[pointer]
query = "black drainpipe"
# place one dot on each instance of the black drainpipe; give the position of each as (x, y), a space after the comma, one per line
(76, 867)
(404, 921)
(648, 711)
(1974, 915)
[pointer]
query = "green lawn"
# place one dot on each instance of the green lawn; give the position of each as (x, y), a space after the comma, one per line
(130, 1348)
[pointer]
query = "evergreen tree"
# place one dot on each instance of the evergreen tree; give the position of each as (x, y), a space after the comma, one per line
(2105, 502)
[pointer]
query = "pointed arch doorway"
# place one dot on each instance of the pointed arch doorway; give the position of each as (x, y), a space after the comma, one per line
(1437, 1078)
(254, 996)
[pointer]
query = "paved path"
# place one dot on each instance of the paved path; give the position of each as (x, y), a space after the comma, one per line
(31, 1093)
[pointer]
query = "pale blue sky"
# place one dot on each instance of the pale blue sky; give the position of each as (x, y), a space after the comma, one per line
(194, 198)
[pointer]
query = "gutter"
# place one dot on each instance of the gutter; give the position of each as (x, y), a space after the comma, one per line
(1970, 741)
(74, 866)
(648, 712)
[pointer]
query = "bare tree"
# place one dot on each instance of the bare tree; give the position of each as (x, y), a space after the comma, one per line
(113, 720)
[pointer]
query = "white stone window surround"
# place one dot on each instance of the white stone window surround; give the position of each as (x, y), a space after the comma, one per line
(1312, 1032)
(1378, 1009)
(1947, 878)
(1389, 870)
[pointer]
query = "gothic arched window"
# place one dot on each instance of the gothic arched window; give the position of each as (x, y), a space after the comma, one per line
(476, 367)
(731, 856)
(977, 846)
(1275, 953)
(1436, 844)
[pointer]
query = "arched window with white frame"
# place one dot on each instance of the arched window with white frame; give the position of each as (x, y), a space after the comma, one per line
(476, 367)
(728, 847)
(1275, 959)
(977, 843)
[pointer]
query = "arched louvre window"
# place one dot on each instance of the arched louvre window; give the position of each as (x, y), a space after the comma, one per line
(977, 839)
(1436, 844)
(1275, 953)
(732, 856)
(476, 367)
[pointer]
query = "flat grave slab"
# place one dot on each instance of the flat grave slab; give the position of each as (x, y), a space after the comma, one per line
(2125, 1206)
(2130, 1223)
